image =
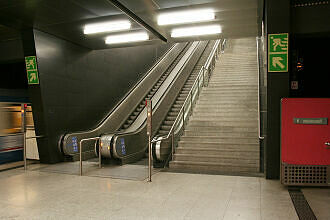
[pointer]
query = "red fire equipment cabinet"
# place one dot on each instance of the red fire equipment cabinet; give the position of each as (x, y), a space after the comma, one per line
(305, 141)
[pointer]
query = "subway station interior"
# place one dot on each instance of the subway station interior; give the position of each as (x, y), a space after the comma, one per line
(165, 109)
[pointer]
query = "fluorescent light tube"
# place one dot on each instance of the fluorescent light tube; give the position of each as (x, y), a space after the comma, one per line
(107, 27)
(127, 38)
(186, 17)
(196, 31)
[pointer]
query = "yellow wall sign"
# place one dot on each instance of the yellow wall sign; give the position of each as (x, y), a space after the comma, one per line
(278, 52)
(32, 70)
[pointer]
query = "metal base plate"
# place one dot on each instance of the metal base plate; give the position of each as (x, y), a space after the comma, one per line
(305, 175)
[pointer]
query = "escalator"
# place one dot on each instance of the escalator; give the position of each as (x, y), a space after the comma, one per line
(115, 120)
(155, 88)
(173, 113)
(129, 143)
(122, 116)
(123, 132)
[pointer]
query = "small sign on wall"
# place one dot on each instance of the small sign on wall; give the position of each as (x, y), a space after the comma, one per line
(32, 70)
(294, 85)
(278, 52)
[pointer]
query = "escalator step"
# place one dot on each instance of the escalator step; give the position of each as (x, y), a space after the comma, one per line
(170, 118)
(162, 132)
(165, 127)
(168, 123)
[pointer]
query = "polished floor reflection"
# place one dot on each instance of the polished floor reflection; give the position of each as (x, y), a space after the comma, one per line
(42, 195)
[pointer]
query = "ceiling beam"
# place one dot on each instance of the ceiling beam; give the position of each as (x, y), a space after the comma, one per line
(137, 19)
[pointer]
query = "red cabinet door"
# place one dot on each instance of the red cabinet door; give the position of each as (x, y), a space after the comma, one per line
(305, 131)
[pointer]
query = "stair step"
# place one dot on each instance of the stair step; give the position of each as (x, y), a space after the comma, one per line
(241, 146)
(222, 128)
(220, 133)
(201, 123)
(229, 160)
(211, 167)
(214, 151)
(224, 119)
(225, 114)
(217, 139)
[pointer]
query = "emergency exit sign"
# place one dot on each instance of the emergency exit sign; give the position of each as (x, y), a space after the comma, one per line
(31, 70)
(278, 52)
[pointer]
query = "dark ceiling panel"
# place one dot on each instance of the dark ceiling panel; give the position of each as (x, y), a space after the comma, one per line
(180, 3)
(98, 7)
(66, 18)
(8, 33)
(12, 3)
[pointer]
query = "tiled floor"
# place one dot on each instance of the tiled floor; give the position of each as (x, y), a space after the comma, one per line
(41, 195)
(319, 200)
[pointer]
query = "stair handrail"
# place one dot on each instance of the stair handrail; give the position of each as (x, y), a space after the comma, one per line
(259, 115)
(206, 67)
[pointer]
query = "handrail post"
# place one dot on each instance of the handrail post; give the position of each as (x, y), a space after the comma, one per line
(203, 75)
(80, 152)
(173, 151)
(183, 117)
(259, 115)
(191, 102)
(100, 156)
(198, 86)
(80, 157)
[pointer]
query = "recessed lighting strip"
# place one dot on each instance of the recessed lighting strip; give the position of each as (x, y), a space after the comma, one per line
(112, 26)
(182, 17)
(196, 31)
(127, 38)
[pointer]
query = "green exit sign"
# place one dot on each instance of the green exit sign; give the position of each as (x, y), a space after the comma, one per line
(278, 52)
(32, 70)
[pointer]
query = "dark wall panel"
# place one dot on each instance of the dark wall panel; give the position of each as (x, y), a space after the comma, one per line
(79, 86)
(277, 16)
(11, 51)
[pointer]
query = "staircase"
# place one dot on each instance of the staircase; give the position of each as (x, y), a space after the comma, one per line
(222, 133)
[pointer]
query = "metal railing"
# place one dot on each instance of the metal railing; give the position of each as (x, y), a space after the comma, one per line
(259, 72)
(187, 108)
(80, 152)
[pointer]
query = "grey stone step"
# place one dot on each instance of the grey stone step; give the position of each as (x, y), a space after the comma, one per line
(220, 89)
(203, 101)
(217, 139)
(206, 95)
(210, 167)
(233, 146)
(222, 128)
(224, 118)
(222, 123)
(214, 151)
(223, 99)
(241, 106)
(226, 113)
(220, 133)
(230, 160)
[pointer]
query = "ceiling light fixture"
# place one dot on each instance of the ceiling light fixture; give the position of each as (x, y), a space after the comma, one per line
(186, 17)
(127, 38)
(107, 27)
(196, 31)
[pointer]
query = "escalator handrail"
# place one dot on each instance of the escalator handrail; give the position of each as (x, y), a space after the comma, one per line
(136, 85)
(162, 96)
(207, 63)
